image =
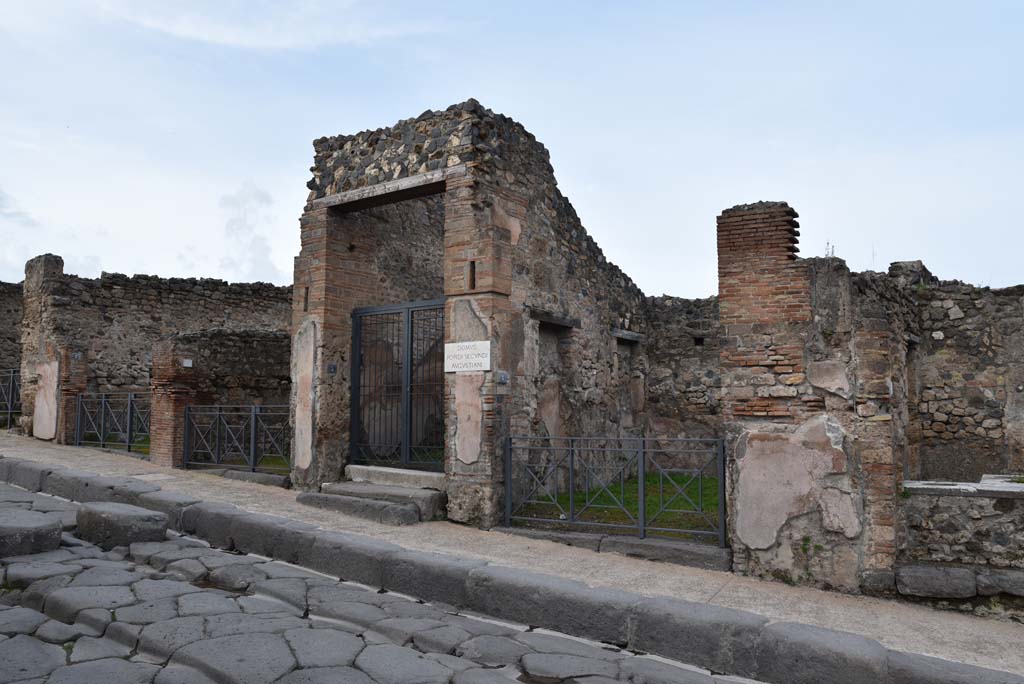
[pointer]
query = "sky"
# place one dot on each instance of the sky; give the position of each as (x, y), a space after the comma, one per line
(174, 138)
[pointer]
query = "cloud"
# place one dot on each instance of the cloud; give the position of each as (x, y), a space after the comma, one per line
(263, 24)
(246, 243)
(10, 212)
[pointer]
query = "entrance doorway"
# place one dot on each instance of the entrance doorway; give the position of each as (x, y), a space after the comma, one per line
(398, 385)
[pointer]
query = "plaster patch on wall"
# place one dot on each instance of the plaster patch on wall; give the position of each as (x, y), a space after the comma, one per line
(469, 413)
(303, 368)
(829, 376)
(782, 476)
(44, 415)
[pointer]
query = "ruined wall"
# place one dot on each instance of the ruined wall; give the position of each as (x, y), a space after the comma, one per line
(10, 326)
(683, 378)
(963, 543)
(107, 327)
(968, 386)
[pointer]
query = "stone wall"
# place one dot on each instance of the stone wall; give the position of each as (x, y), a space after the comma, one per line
(10, 326)
(963, 543)
(968, 385)
(106, 328)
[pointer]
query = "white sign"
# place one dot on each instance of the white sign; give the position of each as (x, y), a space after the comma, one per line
(467, 356)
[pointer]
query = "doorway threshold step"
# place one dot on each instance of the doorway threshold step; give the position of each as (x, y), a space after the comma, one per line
(430, 503)
(384, 512)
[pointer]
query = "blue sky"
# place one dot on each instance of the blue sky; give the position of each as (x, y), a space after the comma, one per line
(175, 138)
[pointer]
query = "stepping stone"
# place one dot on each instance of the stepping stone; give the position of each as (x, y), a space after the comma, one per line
(555, 667)
(27, 532)
(397, 665)
(493, 650)
(109, 525)
(108, 671)
(24, 657)
(20, 621)
(324, 675)
(249, 658)
(323, 647)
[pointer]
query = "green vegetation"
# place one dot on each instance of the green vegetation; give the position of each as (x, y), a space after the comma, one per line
(1017, 480)
(620, 505)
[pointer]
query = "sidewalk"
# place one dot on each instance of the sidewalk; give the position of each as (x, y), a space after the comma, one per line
(945, 634)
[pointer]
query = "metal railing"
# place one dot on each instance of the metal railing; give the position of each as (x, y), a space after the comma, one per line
(665, 487)
(10, 398)
(240, 437)
(113, 421)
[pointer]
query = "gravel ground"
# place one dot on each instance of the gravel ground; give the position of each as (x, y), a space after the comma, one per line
(960, 637)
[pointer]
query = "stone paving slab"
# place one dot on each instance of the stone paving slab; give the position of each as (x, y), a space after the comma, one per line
(983, 642)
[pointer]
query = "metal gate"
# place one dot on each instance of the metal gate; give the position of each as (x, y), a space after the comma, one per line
(250, 437)
(398, 385)
(10, 398)
(113, 421)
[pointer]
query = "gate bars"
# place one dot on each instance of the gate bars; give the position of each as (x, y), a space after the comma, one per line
(240, 437)
(667, 487)
(113, 421)
(10, 397)
(397, 407)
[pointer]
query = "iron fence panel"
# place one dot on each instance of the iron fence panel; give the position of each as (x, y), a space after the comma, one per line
(639, 485)
(10, 398)
(249, 437)
(113, 421)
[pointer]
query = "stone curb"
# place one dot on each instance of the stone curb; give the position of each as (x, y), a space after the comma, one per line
(722, 639)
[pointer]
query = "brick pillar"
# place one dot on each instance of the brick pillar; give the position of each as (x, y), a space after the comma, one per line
(765, 308)
(73, 382)
(478, 285)
(43, 276)
(173, 388)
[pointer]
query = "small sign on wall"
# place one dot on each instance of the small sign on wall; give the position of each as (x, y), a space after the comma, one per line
(467, 356)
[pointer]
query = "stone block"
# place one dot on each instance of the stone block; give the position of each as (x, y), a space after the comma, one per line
(384, 512)
(266, 535)
(430, 502)
(1000, 581)
(269, 479)
(101, 488)
(878, 582)
(552, 602)
(210, 521)
(802, 654)
(935, 581)
(350, 557)
(31, 475)
(714, 637)
(27, 532)
(171, 503)
(67, 483)
(667, 551)
(113, 524)
(131, 491)
(911, 668)
(7, 465)
(430, 576)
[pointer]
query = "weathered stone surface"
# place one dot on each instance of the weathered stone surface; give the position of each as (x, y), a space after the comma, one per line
(669, 551)
(935, 581)
(249, 658)
(720, 639)
(323, 647)
(27, 532)
(802, 654)
(154, 590)
(206, 603)
(189, 569)
(325, 675)
(109, 671)
(440, 640)
(354, 558)
(20, 575)
(429, 576)
(543, 642)
(149, 612)
(24, 657)
(995, 581)
(550, 602)
(268, 535)
(169, 503)
(65, 604)
(92, 648)
(384, 512)
(236, 577)
(20, 620)
(653, 671)
(116, 524)
(98, 577)
(481, 676)
(429, 502)
(243, 623)
(493, 651)
(554, 667)
(398, 665)
(159, 640)
(910, 668)
(56, 632)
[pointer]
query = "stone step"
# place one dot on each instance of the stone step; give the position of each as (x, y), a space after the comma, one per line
(430, 502)
(384, 512)
(401, 477)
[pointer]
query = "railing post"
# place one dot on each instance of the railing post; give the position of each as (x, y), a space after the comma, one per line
(187, 455)
(131, 421)
(572, 480)
(642, 494)
(103, 421)
(10, 398)
(216, 436)
(78, 420)
(252, 437)
(508, 481)
(720, 458)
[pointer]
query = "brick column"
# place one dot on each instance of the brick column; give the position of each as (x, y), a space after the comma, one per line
(478, 285)
(73, 381)
(173, 388)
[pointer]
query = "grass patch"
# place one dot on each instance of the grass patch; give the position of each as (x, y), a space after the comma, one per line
(674, 501)
(1017, 480)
